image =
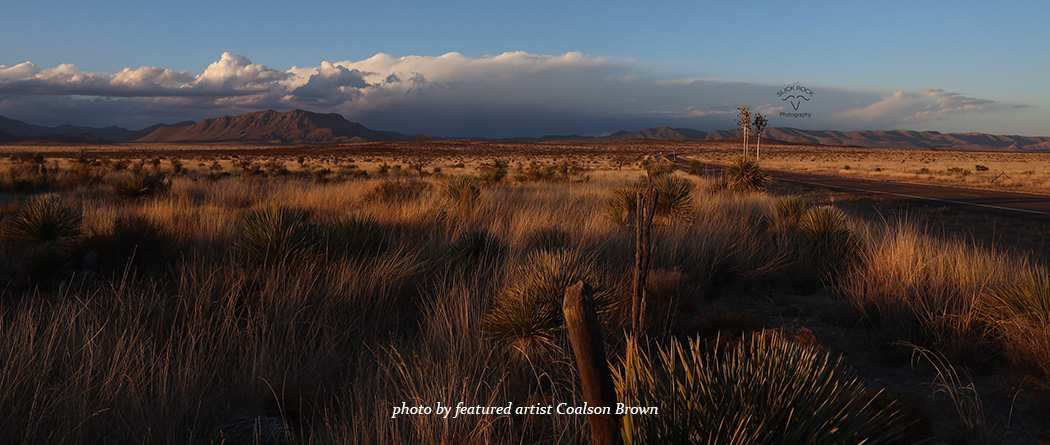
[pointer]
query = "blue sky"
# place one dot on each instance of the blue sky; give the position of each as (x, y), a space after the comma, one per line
(531, 68)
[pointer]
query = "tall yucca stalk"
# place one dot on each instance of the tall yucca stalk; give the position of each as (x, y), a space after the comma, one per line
(766, 390)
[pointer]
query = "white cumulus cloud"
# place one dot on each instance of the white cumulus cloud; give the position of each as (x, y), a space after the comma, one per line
(509, 94)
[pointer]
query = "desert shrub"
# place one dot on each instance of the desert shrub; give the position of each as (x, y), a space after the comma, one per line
(398, 191)
(744, 175)
(766, 390)
(356, 233)
(1020, 316)
(675, 201)
(828, 239)
(45, 220)
(695, 168)
(493, 171)
(476, 243)
(460, 190)
(958, 171)
(658, 167)
(548, 238)
(528, 312)
(275, 234)
(787, 211)
(141, 184)
(981, 168)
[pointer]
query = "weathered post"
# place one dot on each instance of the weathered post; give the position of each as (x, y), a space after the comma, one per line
(646, 208)
(585, 334)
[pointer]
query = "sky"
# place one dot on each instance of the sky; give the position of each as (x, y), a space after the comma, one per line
(501, 69)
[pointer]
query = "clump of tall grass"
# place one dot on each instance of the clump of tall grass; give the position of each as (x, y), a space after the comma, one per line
(548, 238)
(766, 390)
(1019, 313)
(927, 290)
(398, 190)
(460, 190)
(674, 203)
(276, 234)
(527, 313)
(744, 175)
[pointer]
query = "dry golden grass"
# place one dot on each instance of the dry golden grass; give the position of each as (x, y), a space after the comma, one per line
(174, 322)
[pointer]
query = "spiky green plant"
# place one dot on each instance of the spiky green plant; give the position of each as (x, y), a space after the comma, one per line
(829, 239)
(528, 311)
(45, 220)
(276, 234)
(356, 233)
(744, 175)
(476, 243)
(789, 210)
(675, 201)
(766, 390)
(460, 190)
(141, 184)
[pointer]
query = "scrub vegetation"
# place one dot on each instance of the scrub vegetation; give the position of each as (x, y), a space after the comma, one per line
(269, 299)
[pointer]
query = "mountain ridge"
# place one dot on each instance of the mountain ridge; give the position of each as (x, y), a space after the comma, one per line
(306, 127)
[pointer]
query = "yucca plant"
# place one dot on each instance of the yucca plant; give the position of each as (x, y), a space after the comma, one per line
(744, 175)
(356, 233)
(675, 200)
(142, 183)
(528, 312)
(765, 390)
(45, 220)
(276, 234)
(789, 210)
(460, 190)
(476, 243)
(828, 238)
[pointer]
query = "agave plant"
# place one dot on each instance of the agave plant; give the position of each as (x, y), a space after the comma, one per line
(276, 234)
(766, 390)
(45, 220)
(744, 175)
(528, 312)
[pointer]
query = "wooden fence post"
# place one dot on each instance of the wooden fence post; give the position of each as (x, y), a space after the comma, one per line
(645, 210)
(586, 336)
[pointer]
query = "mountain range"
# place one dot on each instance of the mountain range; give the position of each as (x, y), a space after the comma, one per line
(305, 127)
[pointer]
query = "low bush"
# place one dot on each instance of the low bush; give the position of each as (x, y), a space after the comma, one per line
(766, 390)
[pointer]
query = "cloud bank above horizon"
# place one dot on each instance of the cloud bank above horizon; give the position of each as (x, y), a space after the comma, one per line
(511, 94)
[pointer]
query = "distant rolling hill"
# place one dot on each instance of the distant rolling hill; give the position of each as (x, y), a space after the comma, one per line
(305, 127)
(862, 138)
(296, 127)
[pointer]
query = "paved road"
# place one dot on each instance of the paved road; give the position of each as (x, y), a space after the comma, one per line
(1000, 202)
